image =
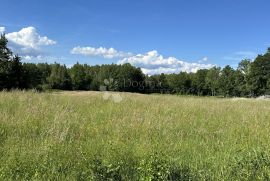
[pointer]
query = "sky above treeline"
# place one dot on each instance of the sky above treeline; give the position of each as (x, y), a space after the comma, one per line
(159, 36)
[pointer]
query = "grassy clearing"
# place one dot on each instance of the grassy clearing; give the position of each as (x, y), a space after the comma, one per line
(81, 136)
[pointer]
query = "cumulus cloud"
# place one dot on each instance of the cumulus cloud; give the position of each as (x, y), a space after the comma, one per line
(43, 58)
(28, 37)
(28, 42)
(101, 51)
(154, 63)
(2, 30)
(150, 63)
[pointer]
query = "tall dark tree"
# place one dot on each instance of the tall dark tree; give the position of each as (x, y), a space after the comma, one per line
(130, 79)
(163, 83)
(31, 75)
(198, 82)
(212, 80)
(5, 52)
(260, 74)
(16, 73)
(242, 75)
(59, 78)
(80, 80)
(152, 84)
(45, 71)
(227, 81)
(244, 66)
(5, 56)
(180, 83)
(10, 67)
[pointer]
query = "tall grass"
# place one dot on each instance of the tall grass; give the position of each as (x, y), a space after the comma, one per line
(81, 136)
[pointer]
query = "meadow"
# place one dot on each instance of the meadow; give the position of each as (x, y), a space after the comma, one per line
(89, 136)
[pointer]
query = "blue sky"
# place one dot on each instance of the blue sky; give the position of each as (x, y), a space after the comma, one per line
(157, 35)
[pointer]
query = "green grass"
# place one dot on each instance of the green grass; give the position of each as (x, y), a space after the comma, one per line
(81, 136)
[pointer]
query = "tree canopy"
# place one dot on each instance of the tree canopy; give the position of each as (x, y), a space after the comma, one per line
(250, 78)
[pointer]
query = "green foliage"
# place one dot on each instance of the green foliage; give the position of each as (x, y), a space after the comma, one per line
(260, 74)
(5, 52)
(106, 171)
(180, 83)
(16, 73)
(249, 79)
(158, 167)
(227, 81)
(198, 82)
(154, 167)
(10, 67)
(130, 79)
(212, 80)
(80, 79)
(59, 77)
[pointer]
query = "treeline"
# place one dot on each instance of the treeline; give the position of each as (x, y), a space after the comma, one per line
(249, 79)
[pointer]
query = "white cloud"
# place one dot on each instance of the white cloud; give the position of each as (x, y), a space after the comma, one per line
(43, 58)
(204, 59)
(29, 38)
(150, 63)
(29, 58)
(153, 63)
(2, 30)
(101, 51)
(28, 43)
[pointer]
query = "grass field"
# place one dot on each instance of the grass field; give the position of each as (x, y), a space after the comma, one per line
(82, 136)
